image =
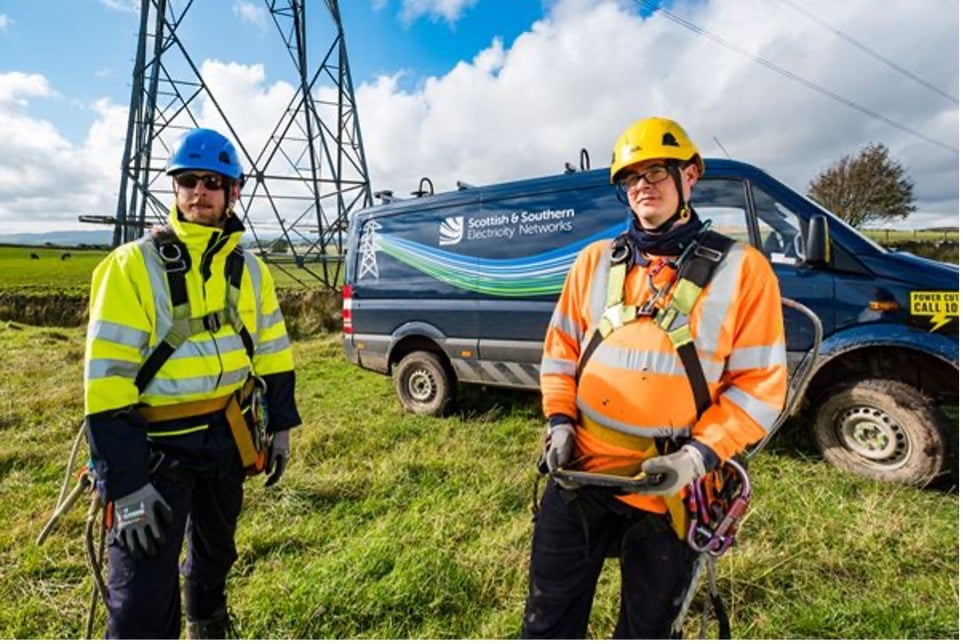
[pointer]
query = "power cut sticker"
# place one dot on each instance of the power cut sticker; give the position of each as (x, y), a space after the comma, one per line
(939, 306)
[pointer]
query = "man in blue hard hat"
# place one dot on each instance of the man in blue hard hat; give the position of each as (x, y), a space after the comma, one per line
(188, 389)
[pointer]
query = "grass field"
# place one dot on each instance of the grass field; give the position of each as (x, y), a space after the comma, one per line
(50, 273)
(389, 525)
(884, 235)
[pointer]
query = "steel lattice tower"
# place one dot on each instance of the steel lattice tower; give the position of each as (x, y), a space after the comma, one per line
(304, 179)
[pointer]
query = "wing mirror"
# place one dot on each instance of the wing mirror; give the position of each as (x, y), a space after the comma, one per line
(818, 247)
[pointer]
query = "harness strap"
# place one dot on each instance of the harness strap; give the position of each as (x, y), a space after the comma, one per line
(622, 257)
(177, 262)
(230, 404)
(694, 275)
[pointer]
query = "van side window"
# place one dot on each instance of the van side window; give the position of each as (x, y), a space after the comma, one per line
(724, 202)
(779, 228)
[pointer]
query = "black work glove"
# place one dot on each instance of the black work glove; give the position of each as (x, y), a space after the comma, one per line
(140, 521)
(674, 471)
(279, 453)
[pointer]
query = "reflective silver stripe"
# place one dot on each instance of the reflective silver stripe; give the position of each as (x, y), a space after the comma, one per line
(759, 411)
(758, 357)
(664, 364)
(158, 286)
(198, 385)
(600, 283)
(566, 325)
(626, 428)
(715, 302)
(118, 334)
(209, 347)
(273, 346)
(558, 366)
(271, 319)
(254, 270)
(107, 368)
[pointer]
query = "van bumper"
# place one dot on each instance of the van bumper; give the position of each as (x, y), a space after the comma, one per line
(372, 356)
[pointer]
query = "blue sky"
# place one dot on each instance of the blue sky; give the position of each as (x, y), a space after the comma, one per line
(491, 90)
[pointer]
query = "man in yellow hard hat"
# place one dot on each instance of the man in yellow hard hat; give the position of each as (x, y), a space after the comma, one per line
(664, 357)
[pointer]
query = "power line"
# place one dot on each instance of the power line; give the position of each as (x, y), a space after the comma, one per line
(872, 53)
(654, 7)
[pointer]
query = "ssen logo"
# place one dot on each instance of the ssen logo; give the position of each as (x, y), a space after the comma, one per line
(451, 231)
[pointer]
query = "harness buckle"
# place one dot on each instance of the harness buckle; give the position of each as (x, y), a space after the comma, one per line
(614, 315)
(213, 322)
(174, 260)
(620, 250)
(711, 254)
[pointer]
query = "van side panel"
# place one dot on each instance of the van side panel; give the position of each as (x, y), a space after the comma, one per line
(543, 232)
(404, 283)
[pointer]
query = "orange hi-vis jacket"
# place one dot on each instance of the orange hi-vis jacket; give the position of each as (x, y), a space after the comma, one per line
(635, 384)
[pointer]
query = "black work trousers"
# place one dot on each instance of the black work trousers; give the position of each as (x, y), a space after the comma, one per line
(574, 530)
(144, 594)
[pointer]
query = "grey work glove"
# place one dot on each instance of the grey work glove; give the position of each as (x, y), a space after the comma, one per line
(140, 521)
(676, 470)
(559, 442)
(279, 453)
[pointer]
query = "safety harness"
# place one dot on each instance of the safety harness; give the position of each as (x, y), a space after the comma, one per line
(251, 441)
(710, 516)
(694, 267)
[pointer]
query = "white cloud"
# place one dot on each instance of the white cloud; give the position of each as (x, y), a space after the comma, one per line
(17, 88)
(250, 12)
(128, 6)
(574, 80)
(448, 10)
(587, 70)
(5, 22)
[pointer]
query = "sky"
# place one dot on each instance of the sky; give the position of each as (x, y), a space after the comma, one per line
(485, 91)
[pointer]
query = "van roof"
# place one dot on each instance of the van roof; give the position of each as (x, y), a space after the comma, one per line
(548, 183)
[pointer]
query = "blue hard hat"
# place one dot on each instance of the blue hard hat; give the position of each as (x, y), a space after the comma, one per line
(204, 149)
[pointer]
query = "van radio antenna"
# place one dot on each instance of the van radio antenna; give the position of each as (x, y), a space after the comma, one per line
(724, 151)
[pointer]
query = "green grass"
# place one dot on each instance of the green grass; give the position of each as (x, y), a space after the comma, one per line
(50, 274)
(883, 235)
(389, 525)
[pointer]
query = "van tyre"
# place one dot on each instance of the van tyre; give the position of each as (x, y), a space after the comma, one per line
(882, 429)
(423, 383)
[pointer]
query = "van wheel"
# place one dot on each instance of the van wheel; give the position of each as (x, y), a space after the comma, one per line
(882, 429)
(423, 384)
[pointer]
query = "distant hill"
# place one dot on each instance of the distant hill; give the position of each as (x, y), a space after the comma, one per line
(60, 238)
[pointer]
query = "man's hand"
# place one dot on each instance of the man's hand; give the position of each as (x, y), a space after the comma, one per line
(140, 521)
(677, 470)
(559, 442)
(279, 453)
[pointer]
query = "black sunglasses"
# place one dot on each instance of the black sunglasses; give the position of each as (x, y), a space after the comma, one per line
(210, 181)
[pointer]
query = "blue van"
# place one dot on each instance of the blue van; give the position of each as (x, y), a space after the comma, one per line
(459, 288)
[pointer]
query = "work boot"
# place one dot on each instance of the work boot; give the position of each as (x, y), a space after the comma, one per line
(216, 627)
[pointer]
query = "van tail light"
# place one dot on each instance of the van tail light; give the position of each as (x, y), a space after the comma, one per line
(346, 324)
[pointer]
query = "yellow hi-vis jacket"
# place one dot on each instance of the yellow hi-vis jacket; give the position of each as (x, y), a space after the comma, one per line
(131, 313)
(634, 383)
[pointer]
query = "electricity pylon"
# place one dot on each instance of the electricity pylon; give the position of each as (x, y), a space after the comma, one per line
(305, 175)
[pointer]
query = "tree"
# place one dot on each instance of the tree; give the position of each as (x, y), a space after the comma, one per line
(868, 187)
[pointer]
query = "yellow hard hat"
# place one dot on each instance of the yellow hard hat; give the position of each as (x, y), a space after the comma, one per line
(653, 138)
